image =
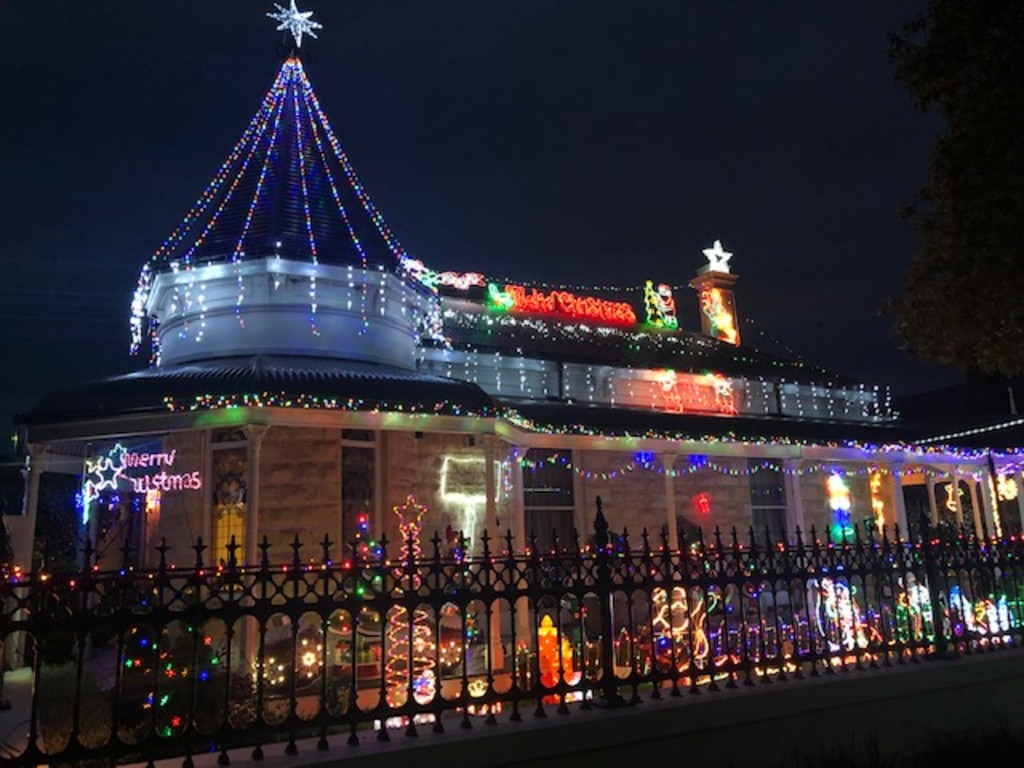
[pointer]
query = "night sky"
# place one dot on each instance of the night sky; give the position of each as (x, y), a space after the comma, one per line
(590, 142)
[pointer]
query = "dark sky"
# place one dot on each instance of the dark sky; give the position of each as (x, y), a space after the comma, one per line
(591, 142)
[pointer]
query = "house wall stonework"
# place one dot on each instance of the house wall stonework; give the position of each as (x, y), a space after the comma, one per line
(181, 512)
(300, 487)
(636, 499)
(300, 492)
(630, 500)
(445, 472)
(728, 496)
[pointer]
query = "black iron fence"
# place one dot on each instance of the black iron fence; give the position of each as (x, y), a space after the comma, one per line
(148, 664)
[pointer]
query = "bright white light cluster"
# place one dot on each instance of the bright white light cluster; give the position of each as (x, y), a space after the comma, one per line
(718, 257)
(295, 21)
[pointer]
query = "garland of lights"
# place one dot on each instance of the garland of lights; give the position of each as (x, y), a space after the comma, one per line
(411, 649)
(261, 136)
(518, 420)
(254, 128)
(690, 344)
(316, 402)
(646, 462)
(238, 253)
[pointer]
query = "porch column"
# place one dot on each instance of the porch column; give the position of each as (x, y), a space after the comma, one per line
(254, 434)
(794, 499)
(23, 532)
(247, 631)
(899, 503)
(23, 539)
(972, 488)
(1020, 497)
(989, 505)
(490, 489)
(523, 624)
(956, 498)
(518, 522)
(668, 461)
(494, 639)
(933, 508)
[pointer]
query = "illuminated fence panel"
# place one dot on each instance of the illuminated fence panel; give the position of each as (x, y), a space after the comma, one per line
(173, 661)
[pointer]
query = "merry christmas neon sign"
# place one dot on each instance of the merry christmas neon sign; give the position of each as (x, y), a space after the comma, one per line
(140, 471)
(519, 299)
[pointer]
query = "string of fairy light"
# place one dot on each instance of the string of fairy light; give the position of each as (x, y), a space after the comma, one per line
(291, 90)
(905, 453)
(703, 464)
(238, 253)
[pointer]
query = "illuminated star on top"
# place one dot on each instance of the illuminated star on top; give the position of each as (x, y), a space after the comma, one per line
(295, 21)
(718, 258)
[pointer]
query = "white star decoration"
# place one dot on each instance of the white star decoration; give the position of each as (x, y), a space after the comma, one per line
(718, 258)
(295, 21)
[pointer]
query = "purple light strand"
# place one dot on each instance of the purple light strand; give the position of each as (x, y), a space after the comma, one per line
(300, 149)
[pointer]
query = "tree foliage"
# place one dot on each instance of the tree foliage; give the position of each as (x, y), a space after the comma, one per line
(963, 302)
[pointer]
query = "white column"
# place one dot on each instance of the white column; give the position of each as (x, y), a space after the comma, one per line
(899, 503)
(989, 504)
(1020, 497)
(581, 515)
(668, 461)
(933, 507)
(956, 498)
(495, 647)
(490, 489)
(254, 434)
(794, 500)
(23, 530)
(23, 539)
(972, 488)
(518, 503)
(206, 524)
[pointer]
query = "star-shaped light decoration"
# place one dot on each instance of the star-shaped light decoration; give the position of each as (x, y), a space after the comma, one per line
(104, 472)
(295, 21)
(718, 257)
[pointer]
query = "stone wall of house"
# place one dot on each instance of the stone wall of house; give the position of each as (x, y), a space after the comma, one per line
(727, 496)
(180, 517)
(632, 497)
(300, 488)
(301, 477)
(635, 498)
(446, 473)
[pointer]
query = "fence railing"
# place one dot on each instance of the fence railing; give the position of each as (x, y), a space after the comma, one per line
(172, 662)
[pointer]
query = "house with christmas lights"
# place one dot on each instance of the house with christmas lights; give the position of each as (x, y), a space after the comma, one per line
(245, 546)
(307, 376)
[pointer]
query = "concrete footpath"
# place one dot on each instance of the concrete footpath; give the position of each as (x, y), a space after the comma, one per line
(899, 708)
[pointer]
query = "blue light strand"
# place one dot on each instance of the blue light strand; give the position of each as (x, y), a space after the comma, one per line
(310, 98)
(238, 253)
(300, 151)
(378, 220)
(254, 128)
(229, 195)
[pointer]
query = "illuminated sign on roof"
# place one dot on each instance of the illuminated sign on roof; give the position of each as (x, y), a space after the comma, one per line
(522, 300)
